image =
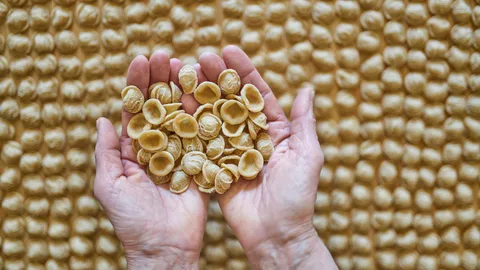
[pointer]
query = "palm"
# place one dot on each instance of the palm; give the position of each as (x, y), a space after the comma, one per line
(146, 217)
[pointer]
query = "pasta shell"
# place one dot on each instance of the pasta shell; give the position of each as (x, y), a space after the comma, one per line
(205, 108)
(132, 99)
(153, 140)
(176, 93)
(192, 144)
(174, 146)
(192, 162)
(233, 112)
(217, 105)
(206, 190)
(135, 146)
(223, 180)
(180, 182)
(199, 179)
(154, 112)
(187, 76)
(243, 142)
(158, 180)
(172, 115)
(231, 159)
(143, 157)
(229, 82)
(207, 92)
(172, 107)
(264, 145)
(161, 91)
(161, 163)
(229, 151)
(215, 147)
(209, 171)
(234, 97)
(232, 130)
(259, 119)
(167, 126)
(232, 168)
(137, 125)
(185, 126)
(209, 126)
(252, 129)
(251, 163)
(252, 98)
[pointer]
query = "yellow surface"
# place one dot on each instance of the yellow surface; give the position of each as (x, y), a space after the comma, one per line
(397, 106)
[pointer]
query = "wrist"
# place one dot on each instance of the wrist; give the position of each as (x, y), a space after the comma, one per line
(299, 249)
(163, 258)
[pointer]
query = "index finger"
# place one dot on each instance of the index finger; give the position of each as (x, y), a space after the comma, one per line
(236, 59)
(138, 75)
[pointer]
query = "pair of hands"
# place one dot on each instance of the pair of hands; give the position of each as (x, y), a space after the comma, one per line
(271, 215)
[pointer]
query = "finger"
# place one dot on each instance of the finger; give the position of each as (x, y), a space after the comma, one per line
(159, 67)
(212, 65)
(107, 157)
(139, 75)
(236, 59)
(175, 66)
(303, 134)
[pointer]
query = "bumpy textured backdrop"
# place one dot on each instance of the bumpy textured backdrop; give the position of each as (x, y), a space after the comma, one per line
(397, 107)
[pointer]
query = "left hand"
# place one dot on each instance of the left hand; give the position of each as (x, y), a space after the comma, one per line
(157, 228)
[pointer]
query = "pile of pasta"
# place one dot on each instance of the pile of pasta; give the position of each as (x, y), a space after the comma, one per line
(224, 139)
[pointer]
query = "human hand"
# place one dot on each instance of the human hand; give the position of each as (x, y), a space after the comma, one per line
(272, 215)
(157, 228)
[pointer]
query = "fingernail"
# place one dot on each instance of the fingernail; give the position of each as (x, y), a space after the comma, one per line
(97, 122)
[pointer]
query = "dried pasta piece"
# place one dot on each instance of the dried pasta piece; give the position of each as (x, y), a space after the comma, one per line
(185, 126)
(161, 91)
(264, 145)
(215, 147)
(207, 92)
(205, 108)
(154, 112)
(172, 115)
(137, 125)
(192, 162)
(135, 146)
(167, 126)
(132, 98)
(192, 144)
(180, 182)
(232, 130)
(233, 112)
(174, 146)
(230, 159)
(243, 142)
(158, 180)
(252, 98)
(250, 164)
(259, 119)
(176, 93)
(200, 180)
(217, 105)
(209, 171)
(172, 107)
(206, 190)
(232, 168)
(223, 180)
(209, 126)
(153, 140)
(143, 157)
(234, 97)
(252, 129)
(188, 79)
(161, 163)
(229, 82)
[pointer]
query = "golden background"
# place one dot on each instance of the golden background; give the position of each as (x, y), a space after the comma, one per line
(397, 107)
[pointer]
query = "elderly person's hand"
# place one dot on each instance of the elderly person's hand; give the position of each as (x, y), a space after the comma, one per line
(272, 215)
(158, 229)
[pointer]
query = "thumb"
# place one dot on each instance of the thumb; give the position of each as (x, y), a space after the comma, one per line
(107, 157)
(303, 134)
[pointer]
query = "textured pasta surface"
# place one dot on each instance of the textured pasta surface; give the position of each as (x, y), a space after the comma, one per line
(397, 106)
